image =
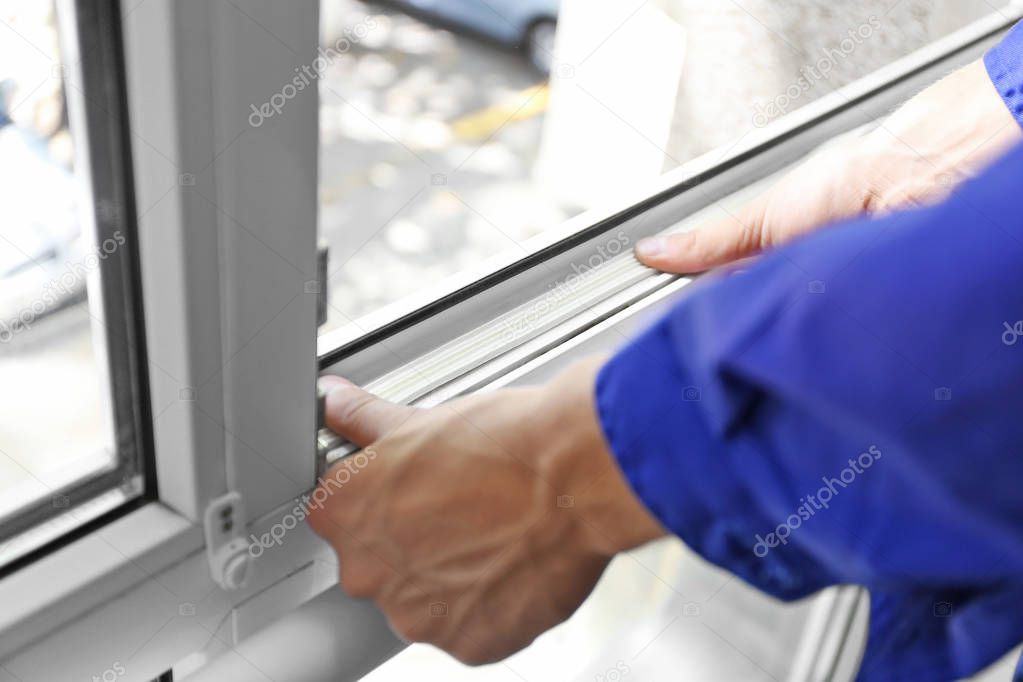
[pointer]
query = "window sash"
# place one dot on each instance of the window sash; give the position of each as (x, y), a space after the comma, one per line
(192, 69)
(94, 89)
(450, 325)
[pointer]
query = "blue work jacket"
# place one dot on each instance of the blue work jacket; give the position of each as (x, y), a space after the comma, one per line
(849, 410)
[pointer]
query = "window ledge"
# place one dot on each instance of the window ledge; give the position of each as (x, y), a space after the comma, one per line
(46, 594)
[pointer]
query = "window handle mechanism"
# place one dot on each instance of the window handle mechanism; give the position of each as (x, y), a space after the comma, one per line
(226, 548)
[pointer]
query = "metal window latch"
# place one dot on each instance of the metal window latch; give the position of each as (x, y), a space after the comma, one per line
(226, 548)
(322, 263)
(327, 442)
(330, 447)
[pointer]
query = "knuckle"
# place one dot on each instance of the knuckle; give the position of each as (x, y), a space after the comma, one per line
(326, 516)
(346, 408)
(686, 243)
(872, 189)
(326, 523)
(469, 653)
(872, 200)
(413, 627)
(754, 229)
(319, 521)
(360, 581)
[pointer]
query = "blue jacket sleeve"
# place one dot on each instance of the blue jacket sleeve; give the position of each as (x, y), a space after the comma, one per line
(1004, 65)
(850, 410)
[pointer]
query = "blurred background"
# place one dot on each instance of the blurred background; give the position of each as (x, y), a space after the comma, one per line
(454, 131)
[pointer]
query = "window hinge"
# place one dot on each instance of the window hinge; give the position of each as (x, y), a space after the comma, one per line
(226, 548)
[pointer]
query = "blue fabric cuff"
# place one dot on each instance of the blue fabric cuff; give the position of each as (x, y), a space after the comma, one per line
(651, 410)
(1004, 64)
(634, 409)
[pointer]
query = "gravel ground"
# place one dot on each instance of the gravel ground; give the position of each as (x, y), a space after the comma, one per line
(419, 178)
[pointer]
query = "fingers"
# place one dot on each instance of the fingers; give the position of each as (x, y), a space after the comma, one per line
(828, 186)
(722, 242)
(359, 416)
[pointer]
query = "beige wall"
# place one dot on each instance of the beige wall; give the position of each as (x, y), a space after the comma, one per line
(641, 87)
(744, 56)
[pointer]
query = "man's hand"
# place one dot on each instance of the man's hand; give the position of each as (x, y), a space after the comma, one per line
(480, 524)
(947, 133)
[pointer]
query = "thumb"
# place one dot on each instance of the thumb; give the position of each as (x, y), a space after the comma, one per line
(358, 415)
(729, 239)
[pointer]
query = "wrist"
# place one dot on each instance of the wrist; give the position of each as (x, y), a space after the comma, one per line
(579, 464)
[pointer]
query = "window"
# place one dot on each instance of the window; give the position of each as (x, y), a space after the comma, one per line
(457, 137)
(480, 189)
(71, 443)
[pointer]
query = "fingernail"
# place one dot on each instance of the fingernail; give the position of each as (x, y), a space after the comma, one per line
(650, 247)
(328, 382)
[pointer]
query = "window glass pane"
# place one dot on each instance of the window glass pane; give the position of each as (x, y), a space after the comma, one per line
(454, 132)
(57, 426)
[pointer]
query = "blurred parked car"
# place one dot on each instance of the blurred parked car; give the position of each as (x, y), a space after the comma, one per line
(528, 25)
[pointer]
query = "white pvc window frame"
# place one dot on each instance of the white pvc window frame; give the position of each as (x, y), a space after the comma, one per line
(226, 217)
